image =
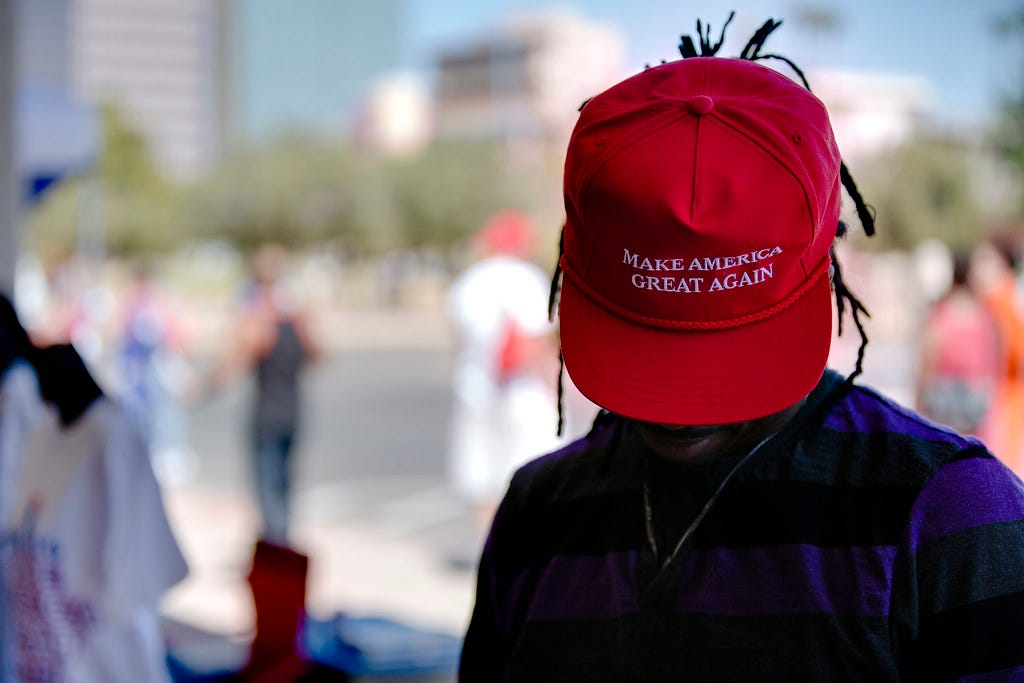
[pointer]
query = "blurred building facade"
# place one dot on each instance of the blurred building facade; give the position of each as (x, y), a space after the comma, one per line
(872, 112)
(162, 62)
(526, 82)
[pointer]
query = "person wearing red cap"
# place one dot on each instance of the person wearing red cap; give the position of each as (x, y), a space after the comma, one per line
(503, 408)
(738, 511)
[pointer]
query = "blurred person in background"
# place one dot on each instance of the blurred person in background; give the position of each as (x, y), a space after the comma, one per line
(275, 342)
(153, 375)
(960, 356)
(994, 273)
(504, 410)
(74, 305)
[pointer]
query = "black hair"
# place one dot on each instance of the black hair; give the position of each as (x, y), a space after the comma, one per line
(865, 213)
(961, 268)
(61, 373)
(14, 340)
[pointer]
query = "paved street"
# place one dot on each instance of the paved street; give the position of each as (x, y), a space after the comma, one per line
(370, 413)
(372, 507)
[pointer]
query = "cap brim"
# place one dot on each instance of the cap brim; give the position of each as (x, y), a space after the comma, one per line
(696, 378)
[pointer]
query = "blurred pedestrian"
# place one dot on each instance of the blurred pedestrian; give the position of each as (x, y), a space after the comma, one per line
(738, 512)
(504, 378)
(959, 356)
(153, 375)
(275, 343)
(994, 269)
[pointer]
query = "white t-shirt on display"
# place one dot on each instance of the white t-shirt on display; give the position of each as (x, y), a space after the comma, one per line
(484, 298)
(87, 554)
(20, 409)
(498, 423)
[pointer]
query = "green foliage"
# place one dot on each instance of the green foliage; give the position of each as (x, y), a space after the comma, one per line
(124, 164)
(123, 203)
(53, 225)
(818, 17)
(446, 193)
(138, 209)
(1008, 139)
(1009, 132)
(299, 191)
(1008, 135)
(294, 191)
(923, 189)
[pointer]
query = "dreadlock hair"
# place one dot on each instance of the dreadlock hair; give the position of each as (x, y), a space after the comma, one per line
(556, 286)
(865, 213)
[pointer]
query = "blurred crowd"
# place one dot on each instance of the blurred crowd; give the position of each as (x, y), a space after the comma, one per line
(971, 350)
(959, 314)
(162, 346)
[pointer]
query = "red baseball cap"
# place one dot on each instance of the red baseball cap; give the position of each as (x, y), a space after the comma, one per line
(702, 197)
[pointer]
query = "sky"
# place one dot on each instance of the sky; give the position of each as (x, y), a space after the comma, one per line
(950, 43)
(347, 40)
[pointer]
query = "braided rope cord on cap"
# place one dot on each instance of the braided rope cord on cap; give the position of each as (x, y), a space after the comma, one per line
(697, 325)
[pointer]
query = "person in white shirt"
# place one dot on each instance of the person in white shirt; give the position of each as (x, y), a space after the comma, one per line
(505, 409)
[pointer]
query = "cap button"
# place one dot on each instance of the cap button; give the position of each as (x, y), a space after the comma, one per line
(701, 104)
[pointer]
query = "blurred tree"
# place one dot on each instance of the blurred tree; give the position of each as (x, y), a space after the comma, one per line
(923, 189)
(447, 192)
(124, 164)
(299, 190)
(123, 203)
(823, 22)
(295, 190)
(1009, 131)
(53, 224)
(818, 18)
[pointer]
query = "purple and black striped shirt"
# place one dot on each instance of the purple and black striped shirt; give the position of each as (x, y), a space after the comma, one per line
(862, 543)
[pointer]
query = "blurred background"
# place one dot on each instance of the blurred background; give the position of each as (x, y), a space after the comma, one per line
(155, 145)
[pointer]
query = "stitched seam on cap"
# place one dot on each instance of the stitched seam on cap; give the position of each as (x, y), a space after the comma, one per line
(696, 145)
(792, 174)
(622, 146)
(613, 149)
(693, 170)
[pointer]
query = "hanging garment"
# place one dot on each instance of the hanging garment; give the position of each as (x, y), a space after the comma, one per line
(87, 554)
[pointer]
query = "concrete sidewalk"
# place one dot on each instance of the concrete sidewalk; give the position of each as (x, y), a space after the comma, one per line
(375, 545)
(362, 566)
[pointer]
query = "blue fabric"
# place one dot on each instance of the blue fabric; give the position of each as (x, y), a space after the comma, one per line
(377, 646)
(358, 646)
